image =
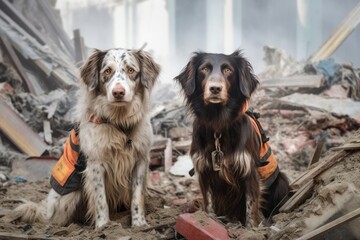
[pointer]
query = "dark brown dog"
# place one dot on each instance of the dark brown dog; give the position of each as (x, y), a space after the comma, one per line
(230, 152)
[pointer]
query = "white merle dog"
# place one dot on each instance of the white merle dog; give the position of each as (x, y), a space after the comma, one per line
(115, 136)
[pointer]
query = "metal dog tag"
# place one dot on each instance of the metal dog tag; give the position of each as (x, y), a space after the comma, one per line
(216, 159)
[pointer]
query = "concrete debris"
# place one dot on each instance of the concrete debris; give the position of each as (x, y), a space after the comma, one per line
(302, 105)
(200, 226)
(331, 105)
(182, 166)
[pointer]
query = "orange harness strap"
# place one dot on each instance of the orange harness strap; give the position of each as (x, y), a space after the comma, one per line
(66, 164)
(269, 169)
(266, 156)
(96, 120)
(66, 175)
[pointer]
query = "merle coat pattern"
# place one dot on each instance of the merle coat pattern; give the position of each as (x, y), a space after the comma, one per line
(115, 87)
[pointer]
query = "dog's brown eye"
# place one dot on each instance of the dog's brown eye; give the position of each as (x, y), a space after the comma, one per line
(227, 70)
(205, 69)
(107, 71)
(130, 70)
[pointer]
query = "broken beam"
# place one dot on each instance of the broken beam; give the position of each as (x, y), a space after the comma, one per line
(79, 47)
(168, 155)
(16, 129)
(337, 37)
(321, 167)
(299, 197)
(14, 14)
(301, 81)
(17, 64)
(19, 236)
(49, 13)
(331, 225)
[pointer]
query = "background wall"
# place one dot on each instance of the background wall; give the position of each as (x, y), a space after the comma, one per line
(173, 29)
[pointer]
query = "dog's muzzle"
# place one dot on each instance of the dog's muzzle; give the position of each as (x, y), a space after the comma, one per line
(214, 92)
(118, 92)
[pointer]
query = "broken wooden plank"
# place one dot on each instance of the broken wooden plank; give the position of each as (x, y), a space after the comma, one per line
(331, 225)
(18, 66)
(79, 47)
(19, 236)
(339, 106)
(337, 37)
(298, 81)
(159, 145)
(49, 13)
(60, 81)
(18, 28)
(348, 147)
(28, 53)
(317, 152)
(47, 132)
(20, 133)
(52, 109)
(183, 145)
(1, 55)
(168, 155)
(299, 197)
(15, 15)
(319, 168)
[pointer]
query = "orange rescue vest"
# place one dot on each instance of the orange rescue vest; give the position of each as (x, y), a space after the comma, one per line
(66, 175)
(268, 170)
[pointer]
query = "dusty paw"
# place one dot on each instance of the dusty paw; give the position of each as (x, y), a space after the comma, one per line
(139, 222)
(100, 223)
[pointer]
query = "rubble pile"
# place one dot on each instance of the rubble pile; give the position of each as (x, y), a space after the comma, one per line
(37, 79)
(304, 104)
(309, 110)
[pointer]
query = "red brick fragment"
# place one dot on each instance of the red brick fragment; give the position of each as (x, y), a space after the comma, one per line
(199, 226)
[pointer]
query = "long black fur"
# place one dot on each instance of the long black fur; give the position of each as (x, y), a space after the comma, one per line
(228, 188)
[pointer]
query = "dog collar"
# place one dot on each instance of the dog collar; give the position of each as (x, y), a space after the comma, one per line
(126, 130)
(96, 120)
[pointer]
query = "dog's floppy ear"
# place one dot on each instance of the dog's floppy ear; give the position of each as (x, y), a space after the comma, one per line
(187, 77)
(149, 69)
(90, 71)
(247, 79)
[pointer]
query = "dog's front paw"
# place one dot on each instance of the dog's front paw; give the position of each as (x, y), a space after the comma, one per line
(100, 222)
(139, 222)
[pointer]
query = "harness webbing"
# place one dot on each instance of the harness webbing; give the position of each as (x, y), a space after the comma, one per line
(66, 176)
(268, 169)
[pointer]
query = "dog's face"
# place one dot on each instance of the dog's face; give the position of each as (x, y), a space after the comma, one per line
(118, 74)
(215, 77)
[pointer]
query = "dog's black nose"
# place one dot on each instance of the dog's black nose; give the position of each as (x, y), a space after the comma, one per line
(215, 89)
(118, 92)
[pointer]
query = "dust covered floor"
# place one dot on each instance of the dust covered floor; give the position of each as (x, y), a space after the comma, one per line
(163, 205)
(335, 193)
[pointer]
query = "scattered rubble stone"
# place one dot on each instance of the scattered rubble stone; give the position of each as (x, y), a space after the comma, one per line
(295, 128)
